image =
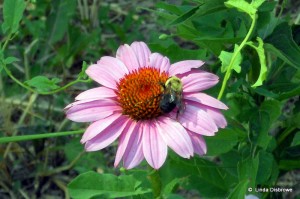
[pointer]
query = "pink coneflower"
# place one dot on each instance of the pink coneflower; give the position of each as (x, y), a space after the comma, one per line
(127, 107)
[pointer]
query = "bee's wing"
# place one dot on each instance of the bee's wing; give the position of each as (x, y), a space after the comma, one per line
(172, 96)
(180, 103)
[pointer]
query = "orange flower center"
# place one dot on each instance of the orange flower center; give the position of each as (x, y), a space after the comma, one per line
(139, 93)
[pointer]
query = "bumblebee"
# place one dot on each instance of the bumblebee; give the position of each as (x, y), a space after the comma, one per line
(172, 96)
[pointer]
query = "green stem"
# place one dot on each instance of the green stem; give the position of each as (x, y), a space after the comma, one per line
(289, 94)
(38, 136)
(228, 72)
(285, 133)
(6, 42)
(42, 93)
(155, 180)
(64, 87)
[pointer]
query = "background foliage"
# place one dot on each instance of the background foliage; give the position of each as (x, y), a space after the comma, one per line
(252, 47)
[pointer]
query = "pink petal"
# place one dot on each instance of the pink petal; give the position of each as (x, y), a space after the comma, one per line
(102, 75)
(79, 103)
(123, 141)
(134, 151)
(199, 144)
(126, 54)
(175, 136)
(205, 99)
(154, 148)
(217, 116)
(114, 65)
(198, 81)
(96, 127)
(159, 62)
(108, 135)
(184, 66)
(96, 93)
(92, 111)
(142, 53)
(196, 119)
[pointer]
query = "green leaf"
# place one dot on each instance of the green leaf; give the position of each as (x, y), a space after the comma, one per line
(93, 184)
(288, 59)
(211, 180)
(12, 14)
(43, 84)
(264, 169)
(257, 3)
(58, 21)
(239, 190)
(283, 45)
(169, 188)
(10, 60)
(242, 6)
(223, 141)
(247, 170)
(169, 7)
(262, 59)
(296, 139)
(185, 16)
(82, 74)
(262, 120)
(226, 58)
(265, 92)
(273, 108)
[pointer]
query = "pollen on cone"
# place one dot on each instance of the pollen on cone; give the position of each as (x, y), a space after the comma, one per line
(139, 93)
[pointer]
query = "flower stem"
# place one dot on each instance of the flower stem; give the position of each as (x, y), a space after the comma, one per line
(38, 136)
(241, 46)
(155, 181)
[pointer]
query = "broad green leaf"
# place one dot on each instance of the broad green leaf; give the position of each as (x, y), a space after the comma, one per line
(12, 14)
(296, 139)
(211, 180)
(266, 23)
(261, 121)
(93, 184)
(223, 141)
(169, 188)
(210, 6)
(10, 60)
(226, 59)
(262, 59)
(283, 45)
(43, 84)
(281, 55)
(257, 3)
(265, 92)
(173, 9)
(58, 21)
(247, 170)
(239, 190)
(264, 168)
(185, 16)
(273, 108)
(242, 6)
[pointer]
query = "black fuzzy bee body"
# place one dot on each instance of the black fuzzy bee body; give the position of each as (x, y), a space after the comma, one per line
(166, 103)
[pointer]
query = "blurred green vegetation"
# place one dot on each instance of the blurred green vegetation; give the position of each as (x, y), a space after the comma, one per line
(259, 148)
